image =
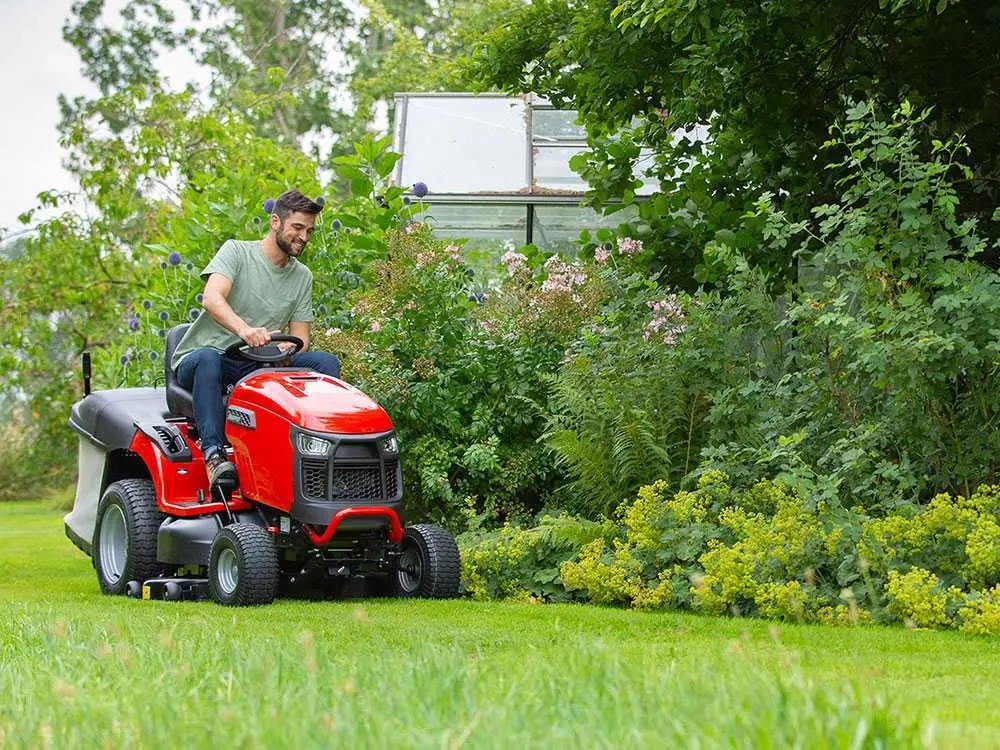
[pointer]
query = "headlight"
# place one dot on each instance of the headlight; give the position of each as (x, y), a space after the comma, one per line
(313, 446)
(389, 444)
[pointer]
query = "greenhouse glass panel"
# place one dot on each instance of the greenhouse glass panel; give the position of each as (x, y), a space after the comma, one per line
(551, 168)
(557, 228)
(483, 224)
(553, 125)
(462, 144)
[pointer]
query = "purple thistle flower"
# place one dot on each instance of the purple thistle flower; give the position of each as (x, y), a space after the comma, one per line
(153, 356)
(162, 333)
(174, 258)
(163, 315)
(336, 224)
(199, 298)
(146, 304)
(320, 201)
(189, 266)
(163, 265)
(269, 206)
(420, 189)
(124, 359)
(193, 314)
(133, 323)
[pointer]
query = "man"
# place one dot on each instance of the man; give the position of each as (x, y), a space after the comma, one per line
(252, 290)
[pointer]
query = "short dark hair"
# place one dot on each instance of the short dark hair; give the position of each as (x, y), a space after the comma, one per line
(292, 200)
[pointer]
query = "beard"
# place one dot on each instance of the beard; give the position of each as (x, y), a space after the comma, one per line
(291, 247)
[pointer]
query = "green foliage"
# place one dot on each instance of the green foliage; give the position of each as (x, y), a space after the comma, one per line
(523, 563)
(631, 401)
(890, 391)
(755, 87)
(461, 378)
(758, 551)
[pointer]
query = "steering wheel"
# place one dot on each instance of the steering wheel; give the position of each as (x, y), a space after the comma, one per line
(268, 353)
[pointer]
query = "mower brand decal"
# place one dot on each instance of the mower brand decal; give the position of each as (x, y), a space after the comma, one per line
(242, 417)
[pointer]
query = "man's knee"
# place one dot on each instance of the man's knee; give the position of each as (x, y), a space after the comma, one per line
(328, 364)
(323, 362)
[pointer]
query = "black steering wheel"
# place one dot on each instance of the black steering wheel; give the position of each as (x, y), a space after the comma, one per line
(268, 353)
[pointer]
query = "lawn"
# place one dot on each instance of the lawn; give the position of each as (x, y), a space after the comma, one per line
(78, 669)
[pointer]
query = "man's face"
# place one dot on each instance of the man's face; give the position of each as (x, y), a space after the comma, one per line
(293, 232)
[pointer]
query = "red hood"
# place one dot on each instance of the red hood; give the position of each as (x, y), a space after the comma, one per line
(311, 401)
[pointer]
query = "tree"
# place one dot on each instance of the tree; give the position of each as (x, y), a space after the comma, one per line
(766, 78)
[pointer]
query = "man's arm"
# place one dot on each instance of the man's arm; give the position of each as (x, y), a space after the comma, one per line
(302, 330)
(216, 304)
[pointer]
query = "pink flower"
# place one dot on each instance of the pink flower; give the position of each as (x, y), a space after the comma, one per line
(601, 255)
(455, 253)
(375, 327)
(514, 261)
(629, 246)
(668, 320)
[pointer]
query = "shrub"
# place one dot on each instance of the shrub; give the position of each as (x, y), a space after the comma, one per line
(956, 538)
(460, 374)
(715, 549)
(523, 563)
(631, 400)
(891, 392)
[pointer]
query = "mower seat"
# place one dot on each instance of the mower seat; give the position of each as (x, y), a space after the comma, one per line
(179, 400)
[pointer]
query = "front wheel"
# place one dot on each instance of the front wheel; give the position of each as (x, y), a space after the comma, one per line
(243, 567)
(124, 548)
(428, 564)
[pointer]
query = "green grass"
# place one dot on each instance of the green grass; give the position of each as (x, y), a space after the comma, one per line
(78, 669)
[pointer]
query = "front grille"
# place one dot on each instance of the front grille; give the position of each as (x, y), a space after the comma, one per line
(351, 479)
(391, 478)
(364, 482)
(314, 477)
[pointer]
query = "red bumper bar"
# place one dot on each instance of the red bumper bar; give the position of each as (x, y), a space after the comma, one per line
(395, 528)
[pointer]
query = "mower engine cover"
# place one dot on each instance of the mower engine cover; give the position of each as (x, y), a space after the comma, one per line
(310, 445)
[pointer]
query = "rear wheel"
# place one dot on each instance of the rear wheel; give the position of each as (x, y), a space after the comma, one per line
(428, 564)
(124, 547)
(243, 568)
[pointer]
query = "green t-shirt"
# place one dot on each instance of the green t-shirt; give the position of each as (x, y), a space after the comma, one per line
(264, 295)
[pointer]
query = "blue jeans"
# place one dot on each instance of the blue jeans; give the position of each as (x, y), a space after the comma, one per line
(207, 373)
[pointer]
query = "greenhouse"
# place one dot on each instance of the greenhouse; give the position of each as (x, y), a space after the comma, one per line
(497, 168)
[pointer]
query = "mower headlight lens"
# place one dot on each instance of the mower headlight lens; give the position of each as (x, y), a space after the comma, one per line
(390, 445)
(313, 446)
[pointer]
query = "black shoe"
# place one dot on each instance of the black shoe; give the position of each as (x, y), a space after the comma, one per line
(221, 473)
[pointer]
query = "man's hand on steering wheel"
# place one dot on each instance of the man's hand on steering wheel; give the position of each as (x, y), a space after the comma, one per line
(256, 336)
(289, 348)
(276, 351)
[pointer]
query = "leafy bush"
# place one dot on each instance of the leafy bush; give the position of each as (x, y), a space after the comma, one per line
(632, 399)
(523, 563)
(461, 374)
(889, 392)
(759, 551)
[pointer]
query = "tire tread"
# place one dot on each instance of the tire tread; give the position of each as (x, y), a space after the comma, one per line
(442, 574)
(143, 520)
(259, 568)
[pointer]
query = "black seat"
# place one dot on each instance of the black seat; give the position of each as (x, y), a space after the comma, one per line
(179, 400)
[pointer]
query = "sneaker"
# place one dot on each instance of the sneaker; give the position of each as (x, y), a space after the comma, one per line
(221, 473)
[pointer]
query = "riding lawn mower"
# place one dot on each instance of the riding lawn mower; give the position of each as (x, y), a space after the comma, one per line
(318, 504)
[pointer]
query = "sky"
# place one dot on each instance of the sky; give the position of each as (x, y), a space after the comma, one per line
(38, 65)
